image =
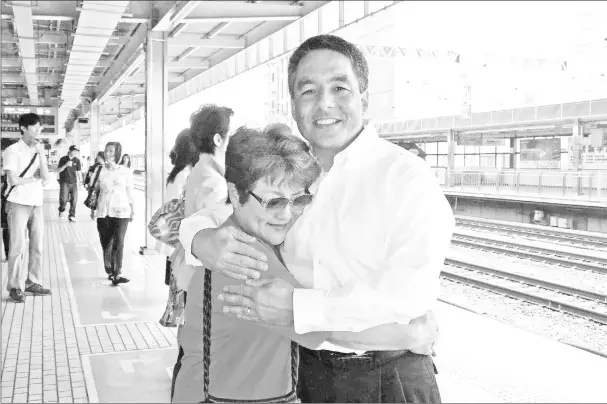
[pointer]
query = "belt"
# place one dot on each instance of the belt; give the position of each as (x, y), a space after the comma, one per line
(332, 355)
(329, 356)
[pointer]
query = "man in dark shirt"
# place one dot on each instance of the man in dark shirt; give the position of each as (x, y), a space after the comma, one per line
(69, 179)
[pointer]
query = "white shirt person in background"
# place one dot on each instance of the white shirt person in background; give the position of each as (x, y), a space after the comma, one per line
(368, 251)
(114, 210)
(24, 209)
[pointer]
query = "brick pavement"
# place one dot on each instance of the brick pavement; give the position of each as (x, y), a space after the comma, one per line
(42, 347)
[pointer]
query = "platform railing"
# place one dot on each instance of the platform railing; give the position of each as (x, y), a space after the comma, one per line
(584, 185)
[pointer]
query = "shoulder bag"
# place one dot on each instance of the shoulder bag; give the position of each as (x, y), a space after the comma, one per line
(6, 191)
(91, 199)
(206, 355)
(164, 224)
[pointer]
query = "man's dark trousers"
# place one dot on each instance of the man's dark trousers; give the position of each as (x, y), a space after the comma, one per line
(68, 192)
(375, 377)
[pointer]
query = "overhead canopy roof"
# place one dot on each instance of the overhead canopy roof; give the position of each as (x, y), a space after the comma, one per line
(60, 53)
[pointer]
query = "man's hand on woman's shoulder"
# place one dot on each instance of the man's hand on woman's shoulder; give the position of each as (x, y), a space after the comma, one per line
(225, 250)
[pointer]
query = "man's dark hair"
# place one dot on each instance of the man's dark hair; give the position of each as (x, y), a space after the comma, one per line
(336, 44)
(206, 122)
(28, 120)
(117, 150)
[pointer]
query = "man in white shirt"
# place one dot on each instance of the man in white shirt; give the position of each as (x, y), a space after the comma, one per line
(24, 209)
(369, 250)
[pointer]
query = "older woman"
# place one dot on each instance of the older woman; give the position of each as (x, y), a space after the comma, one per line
(114, 210)
(268, 176)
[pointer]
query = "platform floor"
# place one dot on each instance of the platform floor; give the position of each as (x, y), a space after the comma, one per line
(92, 342)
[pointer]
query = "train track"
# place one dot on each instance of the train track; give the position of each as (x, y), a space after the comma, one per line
(537, 233)
(562, 258)
(578, 302)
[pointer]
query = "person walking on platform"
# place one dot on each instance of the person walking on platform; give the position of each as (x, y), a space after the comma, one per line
(114, 210)
(69, 168)
(126, 161)
(27, 171)
(91, 173)
(368, 252)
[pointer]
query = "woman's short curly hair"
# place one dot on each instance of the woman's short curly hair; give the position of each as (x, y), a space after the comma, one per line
(271, 155)
(206, 122)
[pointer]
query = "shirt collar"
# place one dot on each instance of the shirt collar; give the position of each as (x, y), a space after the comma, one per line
(357, 152)
(359, 148)
(209, 159)
(24, 145)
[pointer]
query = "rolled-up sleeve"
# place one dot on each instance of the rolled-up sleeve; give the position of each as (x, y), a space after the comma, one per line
(208, 218)
(417, 227)
(10, 160)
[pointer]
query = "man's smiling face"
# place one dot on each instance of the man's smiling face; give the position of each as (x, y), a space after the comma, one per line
(327, 103)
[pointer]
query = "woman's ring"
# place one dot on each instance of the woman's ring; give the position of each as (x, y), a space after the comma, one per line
(248, 311)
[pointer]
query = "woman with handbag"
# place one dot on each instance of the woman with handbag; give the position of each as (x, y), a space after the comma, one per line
(205, 186)
(183, 157)
(227, 359)
(113, 210)
(94, 170)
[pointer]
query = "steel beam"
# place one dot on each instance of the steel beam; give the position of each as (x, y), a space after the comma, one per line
(175, 15)
(130, 57)
(194, 41)
(41, 78)
(228, 11)
(191, 63)
(141, 77)
(207, 20)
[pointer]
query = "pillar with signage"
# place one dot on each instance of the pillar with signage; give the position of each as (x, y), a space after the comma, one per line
(156, 106)
(574, 150)
(514, 153)
(450, 155)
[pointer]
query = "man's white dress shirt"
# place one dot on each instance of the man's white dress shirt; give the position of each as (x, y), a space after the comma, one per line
(370, 249)
(16, 158)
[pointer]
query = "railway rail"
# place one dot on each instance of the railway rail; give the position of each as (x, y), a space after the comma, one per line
(578, 302)
(540, 233)
(563, 258)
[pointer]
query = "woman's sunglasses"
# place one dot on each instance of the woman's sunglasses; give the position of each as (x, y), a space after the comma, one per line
(276, 205)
